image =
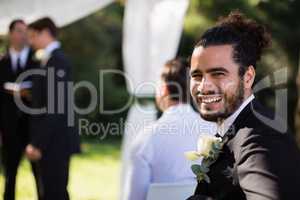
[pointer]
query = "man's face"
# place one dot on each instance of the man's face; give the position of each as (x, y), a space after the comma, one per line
(160, 95)
(215, 82)
(35, 39)
(18, 35)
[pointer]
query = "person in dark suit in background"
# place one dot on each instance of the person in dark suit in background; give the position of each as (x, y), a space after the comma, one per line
(260, 159)
(52, 140)
(14, 123)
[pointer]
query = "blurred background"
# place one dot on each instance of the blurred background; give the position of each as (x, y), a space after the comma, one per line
(95, 42)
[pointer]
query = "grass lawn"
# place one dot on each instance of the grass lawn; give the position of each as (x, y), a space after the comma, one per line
(94, 174)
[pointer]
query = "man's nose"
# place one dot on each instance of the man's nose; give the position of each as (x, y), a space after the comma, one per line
(206, 86)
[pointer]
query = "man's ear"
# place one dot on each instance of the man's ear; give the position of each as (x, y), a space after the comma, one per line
(45, 32)
(164, 90)
(249, 77)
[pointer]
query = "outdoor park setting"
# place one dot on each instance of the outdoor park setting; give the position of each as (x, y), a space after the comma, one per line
(99, 41)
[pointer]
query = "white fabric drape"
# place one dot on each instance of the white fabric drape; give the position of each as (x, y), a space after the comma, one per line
(152, 30)
(63, 12)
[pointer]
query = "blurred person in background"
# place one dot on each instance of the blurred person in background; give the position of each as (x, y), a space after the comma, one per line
(52, 141)
(14, 123)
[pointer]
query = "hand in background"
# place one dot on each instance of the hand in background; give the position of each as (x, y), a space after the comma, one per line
(25, 93)
(33, 153)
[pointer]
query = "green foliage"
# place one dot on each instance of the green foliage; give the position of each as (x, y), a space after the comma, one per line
(2, 45)
(94, 44)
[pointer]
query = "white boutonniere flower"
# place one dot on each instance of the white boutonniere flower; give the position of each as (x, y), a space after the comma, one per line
(42, 56)
(208, 149)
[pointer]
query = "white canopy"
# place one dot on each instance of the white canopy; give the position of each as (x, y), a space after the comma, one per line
(63, 12)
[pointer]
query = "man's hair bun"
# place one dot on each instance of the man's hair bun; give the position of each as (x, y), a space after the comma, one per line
(247, 37)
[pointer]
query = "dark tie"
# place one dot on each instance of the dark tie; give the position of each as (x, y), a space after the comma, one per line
(19, 69)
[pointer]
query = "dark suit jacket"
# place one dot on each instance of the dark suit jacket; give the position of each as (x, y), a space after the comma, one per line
(257, 163)
(9, 112)
(50, 131)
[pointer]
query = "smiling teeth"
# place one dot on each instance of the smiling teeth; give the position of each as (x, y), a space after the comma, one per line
(211, 100)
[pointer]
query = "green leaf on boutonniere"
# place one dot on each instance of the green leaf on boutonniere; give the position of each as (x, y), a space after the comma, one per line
(206, 178)
(196, 169)
(201, 172)
(217, 147)
(205, 163)
(204, 168)
(203, 176)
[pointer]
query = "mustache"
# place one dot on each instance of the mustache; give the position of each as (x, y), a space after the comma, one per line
(208, 93)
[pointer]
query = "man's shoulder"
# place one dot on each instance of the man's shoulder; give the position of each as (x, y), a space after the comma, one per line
(262, 121)
(258, 130)
(262, 139)
(155, 133)
(4, 57)
(261, 129)
(4, 63)
(262, 134)
(58, 56)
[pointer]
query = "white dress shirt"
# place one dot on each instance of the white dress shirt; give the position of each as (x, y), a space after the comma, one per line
(15, 55)
(157, 155)
(47, 52)
(51, 47)
(225, 125)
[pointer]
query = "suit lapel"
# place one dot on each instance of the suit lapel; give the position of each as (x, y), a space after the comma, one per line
(30, 61)
(239, 122)
(222, 172)
(51, 58)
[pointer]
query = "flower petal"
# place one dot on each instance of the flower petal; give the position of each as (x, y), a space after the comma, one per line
(192, 155)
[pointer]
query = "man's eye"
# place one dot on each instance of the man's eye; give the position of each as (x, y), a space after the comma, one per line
(196, 76)
(218, 74)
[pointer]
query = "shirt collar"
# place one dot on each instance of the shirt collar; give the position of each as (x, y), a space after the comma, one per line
(51, 47)
(224, 127)
(16, 53)
(22, 55)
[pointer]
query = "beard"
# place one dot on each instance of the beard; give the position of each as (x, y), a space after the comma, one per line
(231, 102)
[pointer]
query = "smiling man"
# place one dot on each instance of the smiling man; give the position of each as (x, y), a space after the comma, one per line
(257, 161)
(217, 86)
